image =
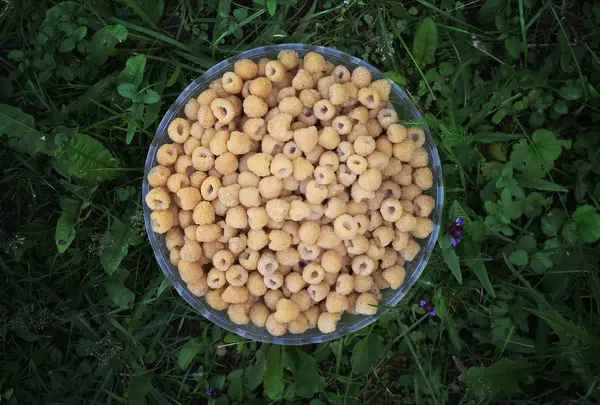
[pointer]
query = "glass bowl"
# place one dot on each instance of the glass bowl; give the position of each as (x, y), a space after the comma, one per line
(406, 110)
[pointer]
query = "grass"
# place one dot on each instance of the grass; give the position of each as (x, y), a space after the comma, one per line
(511, 93)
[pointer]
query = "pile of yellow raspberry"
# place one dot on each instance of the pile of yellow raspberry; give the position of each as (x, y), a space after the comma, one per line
(292, 193)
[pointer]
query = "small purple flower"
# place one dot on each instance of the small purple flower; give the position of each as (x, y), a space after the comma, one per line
(455, 230)
(428, 307)
(213, 393)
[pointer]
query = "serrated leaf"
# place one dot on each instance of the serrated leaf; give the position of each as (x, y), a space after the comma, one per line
(151, 97)
(535, 159)
(452, 261)
(20, 129)
(425, 43)
(519, 257)
(273, 378)
(513, 47)
(367, 353)
(188, 352)
(103, 42)
(86, 158)
(587, 224)
(65, 226)
(501, 379)
(134, 70)
(127, 90)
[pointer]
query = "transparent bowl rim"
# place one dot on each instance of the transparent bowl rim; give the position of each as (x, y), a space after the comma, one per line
(288, 339)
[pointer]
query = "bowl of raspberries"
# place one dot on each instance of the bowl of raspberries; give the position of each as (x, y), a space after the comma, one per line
(292, 194)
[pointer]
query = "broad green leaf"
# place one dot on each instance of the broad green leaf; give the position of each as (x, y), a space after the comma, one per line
(67, 45)
(453, 262)
(519, 257)
(103, 42)
(118, 293)
(273, 378)
(566, 329)
(490, 137)
(150, 11)
(151, 97)
(188, 352)
(367, 353)
(65, 227)
(397, 78)
(235, 390)
(425, 43)
(551, 223)
(540, 262)
(534, 159)
(127, 90)
(307, 380)
(255, 372)
(501, 379)
(20, 129)
(513, 47)
(118, 246)
(585, 223)
(139, 386)
(134, 70)
(86, 158)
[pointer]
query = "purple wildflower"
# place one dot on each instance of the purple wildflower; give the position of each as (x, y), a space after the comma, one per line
(455, 230)
(428, 307)
(213, 393)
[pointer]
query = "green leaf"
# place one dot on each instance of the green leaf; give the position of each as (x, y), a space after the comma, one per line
(67, 45)
(541, 262)
(273, 379)
(127, 90)
(272, 7)
(149, 11)
(20, 129)
(86, 158)
(367, 353)
(134, 70)
(151, 97)
(453, 262)
(188, 352)
(307, 380)
(519, 257)
(478, 267)
(120, 295)
(490, 137)
(139, 386)
(255, 372)
(425, 43)
(501, 379)
(534, 159)
(513, 47)
(539, 184)
(65, 227)
(117, 246)
(586, 224)
(103, 42)
(397, 78)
